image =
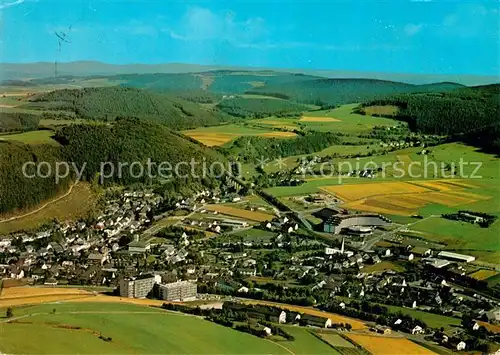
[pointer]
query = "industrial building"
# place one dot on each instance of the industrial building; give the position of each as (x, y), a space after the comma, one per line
(337, 224)
(456, 257)
(138, 287)
(177, 291)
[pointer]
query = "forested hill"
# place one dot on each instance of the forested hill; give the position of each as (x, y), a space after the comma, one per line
(342, 91)
(127, 141)
(107, 103)
(471, 114)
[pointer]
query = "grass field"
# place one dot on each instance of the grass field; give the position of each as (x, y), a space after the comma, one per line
(335, 340)
(237, 212)
(32, 137)
(305, 343)
(318, 119)
(75, 328)
(387, 110)
(77, 204)
(344, 120)
(383, 266)
(383, 345)
(220, 135)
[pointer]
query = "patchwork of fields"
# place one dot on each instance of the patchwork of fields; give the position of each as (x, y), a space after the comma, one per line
(405, 198)
(220, 135)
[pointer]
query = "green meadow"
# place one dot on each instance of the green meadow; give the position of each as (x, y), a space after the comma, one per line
(129, 329)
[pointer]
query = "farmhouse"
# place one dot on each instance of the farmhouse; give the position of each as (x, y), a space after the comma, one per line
(456, 257)
(337, 224)
(315, 321)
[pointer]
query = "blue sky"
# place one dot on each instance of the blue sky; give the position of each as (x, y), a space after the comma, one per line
(449, 37)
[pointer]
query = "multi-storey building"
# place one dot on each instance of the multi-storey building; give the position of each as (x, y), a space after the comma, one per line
(177, 291)
(138, 287)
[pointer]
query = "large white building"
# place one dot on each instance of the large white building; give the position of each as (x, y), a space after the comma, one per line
(177, 291)
(138, 287)
(457, 257)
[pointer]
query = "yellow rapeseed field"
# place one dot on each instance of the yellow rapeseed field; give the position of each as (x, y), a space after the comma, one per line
(355, 192)
(383, 345)
(404, 198)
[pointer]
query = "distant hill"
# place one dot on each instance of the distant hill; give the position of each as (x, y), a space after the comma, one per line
(470, 115)
(108, 103)
(324, 92)
(90, 68)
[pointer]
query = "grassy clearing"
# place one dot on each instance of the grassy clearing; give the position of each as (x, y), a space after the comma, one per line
(387, 110)
(347, 121)
(32, 137)
(81, 201)
(133, 329)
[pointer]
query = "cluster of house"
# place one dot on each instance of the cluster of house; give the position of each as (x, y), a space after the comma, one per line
(276, 315)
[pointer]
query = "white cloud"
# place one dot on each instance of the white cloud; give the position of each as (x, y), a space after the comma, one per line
(201, 24)
(5, 5)
(412, 29)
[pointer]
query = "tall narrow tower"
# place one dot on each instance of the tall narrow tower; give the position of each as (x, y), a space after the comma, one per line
(342, 247)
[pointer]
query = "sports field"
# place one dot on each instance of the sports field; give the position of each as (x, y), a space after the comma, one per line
(127, 329)
(237, 212)
(384, 345)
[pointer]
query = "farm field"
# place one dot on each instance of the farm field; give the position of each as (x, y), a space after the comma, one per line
(318, 119)
(277, 122)
(237, 212)
(483, 274)
(335, 340)
(405, 198)
(32, 137)
(75, 328)
(220, 135)
(305, 342)
(386, 110)
(356, 324)
(344, 120)
(383, 345)
(76, 204)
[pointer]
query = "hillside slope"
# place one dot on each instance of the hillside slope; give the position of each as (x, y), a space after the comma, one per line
(328, 92)
(471, 114)
(108, 103)
(98, 149)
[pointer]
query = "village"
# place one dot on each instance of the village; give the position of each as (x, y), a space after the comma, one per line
(203, 248)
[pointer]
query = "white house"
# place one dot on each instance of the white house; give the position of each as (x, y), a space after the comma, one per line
(417, 330)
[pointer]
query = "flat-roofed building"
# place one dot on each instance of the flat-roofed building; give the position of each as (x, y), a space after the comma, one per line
(177, 291)
(138, 287)
(456, 256)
